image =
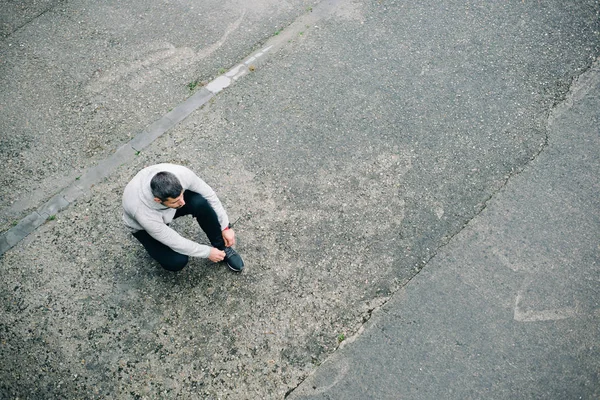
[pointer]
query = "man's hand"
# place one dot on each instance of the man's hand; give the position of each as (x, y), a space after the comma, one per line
(229, 237)
(216, 255)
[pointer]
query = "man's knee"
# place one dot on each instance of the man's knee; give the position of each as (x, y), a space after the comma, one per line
(175, 263)
(197, 203)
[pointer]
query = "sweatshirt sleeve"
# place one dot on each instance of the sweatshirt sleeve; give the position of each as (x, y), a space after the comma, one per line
(164, 234)
(195, 184)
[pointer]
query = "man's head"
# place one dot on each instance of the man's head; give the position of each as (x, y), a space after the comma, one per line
(167, 190)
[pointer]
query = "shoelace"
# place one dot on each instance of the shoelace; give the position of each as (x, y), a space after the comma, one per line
(228, 252)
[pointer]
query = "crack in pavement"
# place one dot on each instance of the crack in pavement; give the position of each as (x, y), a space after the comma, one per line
(564, 101)
(41, 13)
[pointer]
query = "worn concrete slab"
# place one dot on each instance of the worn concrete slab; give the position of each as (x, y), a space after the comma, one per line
(151, 133)
(182, 111)
(23, 228)
(53, 206)
(72, 192)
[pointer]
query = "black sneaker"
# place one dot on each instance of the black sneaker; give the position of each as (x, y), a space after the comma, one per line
(233, 259)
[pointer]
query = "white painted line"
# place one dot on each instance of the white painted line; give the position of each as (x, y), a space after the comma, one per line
(233, 71)
(218, 84)
(242, 73)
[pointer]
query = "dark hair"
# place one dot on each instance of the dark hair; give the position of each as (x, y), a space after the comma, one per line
(165, 185)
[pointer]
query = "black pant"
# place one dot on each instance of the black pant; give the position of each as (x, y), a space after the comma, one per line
(197, 206)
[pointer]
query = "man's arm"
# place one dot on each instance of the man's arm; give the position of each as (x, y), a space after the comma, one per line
(167, 236)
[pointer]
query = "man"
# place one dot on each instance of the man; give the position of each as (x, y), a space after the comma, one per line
(162, 192)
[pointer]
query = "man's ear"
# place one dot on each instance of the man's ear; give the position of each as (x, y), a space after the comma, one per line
(156, 199)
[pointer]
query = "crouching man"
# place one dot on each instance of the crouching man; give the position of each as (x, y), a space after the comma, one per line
(162, 192)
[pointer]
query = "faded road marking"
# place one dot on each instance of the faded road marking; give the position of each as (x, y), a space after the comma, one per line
(542, 315)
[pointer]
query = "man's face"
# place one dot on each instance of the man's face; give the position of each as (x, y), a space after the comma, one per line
(177, 202)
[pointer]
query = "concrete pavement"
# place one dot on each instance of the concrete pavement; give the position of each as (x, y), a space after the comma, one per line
(349, 159)
(82, 78)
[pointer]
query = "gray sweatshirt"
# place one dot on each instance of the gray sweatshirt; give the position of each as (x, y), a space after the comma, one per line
(141, 212)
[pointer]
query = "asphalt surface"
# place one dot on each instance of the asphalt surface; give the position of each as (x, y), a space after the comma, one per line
(510, 308)
(368, 160)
